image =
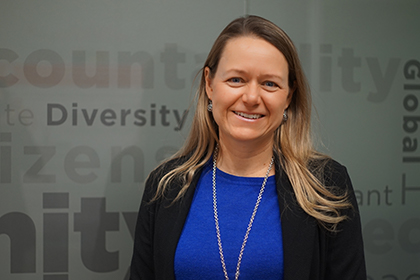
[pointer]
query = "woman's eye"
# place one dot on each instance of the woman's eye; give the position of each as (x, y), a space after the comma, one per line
(235, 80)
(270, 84)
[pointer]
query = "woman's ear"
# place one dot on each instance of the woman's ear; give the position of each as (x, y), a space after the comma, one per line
(209, 89)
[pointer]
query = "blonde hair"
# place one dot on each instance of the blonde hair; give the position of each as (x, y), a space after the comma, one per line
(292, 140)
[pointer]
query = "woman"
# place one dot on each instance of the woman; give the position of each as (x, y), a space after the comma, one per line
(248, 196)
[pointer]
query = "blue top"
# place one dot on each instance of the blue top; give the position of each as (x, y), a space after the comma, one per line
(197, 254)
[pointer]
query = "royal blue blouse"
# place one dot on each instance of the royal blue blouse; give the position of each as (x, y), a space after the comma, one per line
(197, 254)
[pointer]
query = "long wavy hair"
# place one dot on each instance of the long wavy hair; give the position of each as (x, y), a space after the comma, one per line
(292, 140)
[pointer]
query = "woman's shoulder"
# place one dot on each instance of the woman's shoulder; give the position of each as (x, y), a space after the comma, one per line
(335, 174)
(331, 172)
(164, 168)
(152, 181)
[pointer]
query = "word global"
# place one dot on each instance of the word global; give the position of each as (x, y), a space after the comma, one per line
(410, 103)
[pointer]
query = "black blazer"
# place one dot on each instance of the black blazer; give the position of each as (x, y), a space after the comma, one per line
(310, 252)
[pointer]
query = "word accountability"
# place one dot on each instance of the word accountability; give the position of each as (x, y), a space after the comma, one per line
(46, 68)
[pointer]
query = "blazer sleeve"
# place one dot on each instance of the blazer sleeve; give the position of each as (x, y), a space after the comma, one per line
(345, 253)
(142, 264)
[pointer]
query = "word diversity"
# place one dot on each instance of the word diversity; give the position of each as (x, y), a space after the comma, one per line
(59, 114)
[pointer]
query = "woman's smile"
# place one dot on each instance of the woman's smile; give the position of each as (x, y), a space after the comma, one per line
(248, 116)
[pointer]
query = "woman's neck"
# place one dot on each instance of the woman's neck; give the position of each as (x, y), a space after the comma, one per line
(243, 160)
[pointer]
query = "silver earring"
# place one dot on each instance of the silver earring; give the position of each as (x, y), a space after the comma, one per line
(210, 106)
(285, 117)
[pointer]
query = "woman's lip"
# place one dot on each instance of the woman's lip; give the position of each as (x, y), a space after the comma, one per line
(248, 115)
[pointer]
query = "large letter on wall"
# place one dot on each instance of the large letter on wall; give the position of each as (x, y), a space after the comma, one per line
(21, 231)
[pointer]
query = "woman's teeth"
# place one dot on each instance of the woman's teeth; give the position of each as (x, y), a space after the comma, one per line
(248, 116)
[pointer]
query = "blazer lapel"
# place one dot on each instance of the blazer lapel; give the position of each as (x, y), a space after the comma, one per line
(300, 231)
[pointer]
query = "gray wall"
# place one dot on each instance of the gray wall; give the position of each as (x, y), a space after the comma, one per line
(93, 95)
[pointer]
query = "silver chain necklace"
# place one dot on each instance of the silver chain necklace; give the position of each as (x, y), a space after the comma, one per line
(251, 220)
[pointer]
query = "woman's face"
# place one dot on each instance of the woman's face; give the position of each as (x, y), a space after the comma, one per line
(249, 91)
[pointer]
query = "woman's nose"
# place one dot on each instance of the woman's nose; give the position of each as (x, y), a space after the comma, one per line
(251, 95)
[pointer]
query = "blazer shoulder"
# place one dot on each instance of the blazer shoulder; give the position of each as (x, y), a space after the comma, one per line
(152, 181)
(329, 171)
(166, 167)
(335, 174)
